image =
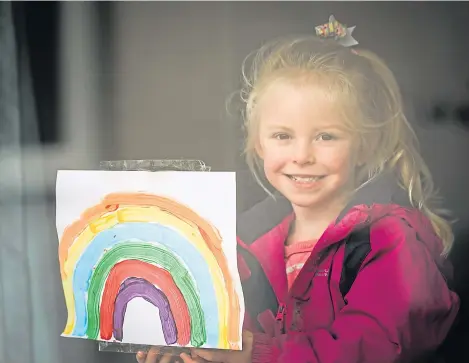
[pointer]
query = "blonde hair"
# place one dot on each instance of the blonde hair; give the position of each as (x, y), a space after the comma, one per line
(365, 86)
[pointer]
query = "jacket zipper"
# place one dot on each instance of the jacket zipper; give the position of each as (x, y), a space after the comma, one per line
(280, 317)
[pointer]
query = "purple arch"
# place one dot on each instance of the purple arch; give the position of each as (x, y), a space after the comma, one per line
(136, 287)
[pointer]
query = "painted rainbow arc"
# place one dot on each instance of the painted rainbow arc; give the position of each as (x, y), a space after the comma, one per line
(141, 245)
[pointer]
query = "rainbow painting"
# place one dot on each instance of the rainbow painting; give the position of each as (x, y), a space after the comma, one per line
(166, 239)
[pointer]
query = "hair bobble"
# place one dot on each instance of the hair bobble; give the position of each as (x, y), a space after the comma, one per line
(337, 31)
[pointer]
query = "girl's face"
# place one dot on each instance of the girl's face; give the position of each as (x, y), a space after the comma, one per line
(308, 156)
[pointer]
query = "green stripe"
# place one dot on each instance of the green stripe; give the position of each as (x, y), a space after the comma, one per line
(152, 254)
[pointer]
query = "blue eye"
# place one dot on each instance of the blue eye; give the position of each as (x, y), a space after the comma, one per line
(326, 137)
(281, 136)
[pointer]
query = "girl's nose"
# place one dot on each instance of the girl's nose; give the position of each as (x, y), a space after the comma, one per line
(304, 154)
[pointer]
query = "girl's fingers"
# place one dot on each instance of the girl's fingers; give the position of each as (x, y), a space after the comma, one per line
(186, 359)
(192, 359)
(152, 355)
(141, 357)
(166, 358)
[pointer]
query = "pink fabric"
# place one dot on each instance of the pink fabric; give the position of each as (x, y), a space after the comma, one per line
(295, 257)
(398, 308)
(243, 268)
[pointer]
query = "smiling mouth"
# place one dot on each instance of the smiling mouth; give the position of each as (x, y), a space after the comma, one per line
(306, 178)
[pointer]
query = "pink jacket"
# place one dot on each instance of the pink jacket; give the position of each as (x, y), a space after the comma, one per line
(398, 308)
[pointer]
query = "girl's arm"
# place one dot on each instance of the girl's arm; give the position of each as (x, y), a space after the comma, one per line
(399, 307)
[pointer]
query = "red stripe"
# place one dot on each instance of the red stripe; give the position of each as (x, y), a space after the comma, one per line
(155, 275)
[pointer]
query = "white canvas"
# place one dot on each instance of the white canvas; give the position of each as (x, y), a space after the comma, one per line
(138, 269)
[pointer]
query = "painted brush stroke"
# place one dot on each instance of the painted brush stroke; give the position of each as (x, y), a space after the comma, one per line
(160, 241)
(155, 275)
(152, 254)
(132, 235)
(133, 288)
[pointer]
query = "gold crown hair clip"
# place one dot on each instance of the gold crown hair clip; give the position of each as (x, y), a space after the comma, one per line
(338, 31)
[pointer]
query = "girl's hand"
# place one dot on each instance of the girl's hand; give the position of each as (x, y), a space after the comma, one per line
(202, 355)
(243, 356)
(194, 359)
(155, 356)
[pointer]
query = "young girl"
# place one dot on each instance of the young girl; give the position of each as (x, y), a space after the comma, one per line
(326, 126)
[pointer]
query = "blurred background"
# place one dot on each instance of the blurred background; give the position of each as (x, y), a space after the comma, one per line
(82, 82)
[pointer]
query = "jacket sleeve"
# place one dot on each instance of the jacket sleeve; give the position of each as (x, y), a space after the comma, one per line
(399, 307)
